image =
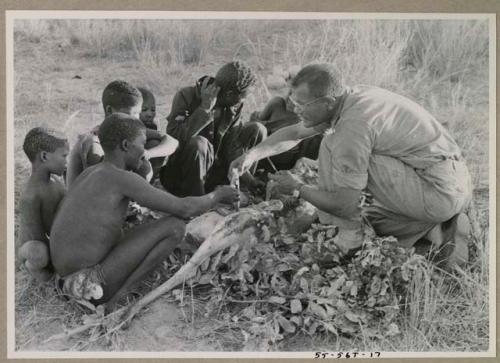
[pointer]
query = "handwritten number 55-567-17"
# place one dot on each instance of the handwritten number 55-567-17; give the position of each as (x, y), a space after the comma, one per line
(323, 355)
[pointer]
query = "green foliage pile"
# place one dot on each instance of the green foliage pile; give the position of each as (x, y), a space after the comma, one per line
(289, 285)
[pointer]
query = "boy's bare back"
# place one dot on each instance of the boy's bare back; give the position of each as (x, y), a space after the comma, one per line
(38, 206)
(90, 220)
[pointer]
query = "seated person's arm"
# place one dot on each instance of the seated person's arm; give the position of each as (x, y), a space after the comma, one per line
(31, 224)
(165, 146)
(184, 127)
(95, 152)
(154, 135)
(86, 152)
(75, 166)
(139, 190)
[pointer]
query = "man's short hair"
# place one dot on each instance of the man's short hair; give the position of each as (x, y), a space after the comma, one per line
(118, 127)
(146, 93)
(120, 94)
(42, 139)
(235, 76)
(323, 79)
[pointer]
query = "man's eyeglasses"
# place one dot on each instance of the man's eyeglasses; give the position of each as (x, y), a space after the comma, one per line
(300, 108)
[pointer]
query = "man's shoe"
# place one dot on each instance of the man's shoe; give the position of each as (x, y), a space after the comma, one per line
(455, 247)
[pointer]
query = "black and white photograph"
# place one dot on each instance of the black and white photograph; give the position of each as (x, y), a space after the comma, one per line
(238, 184)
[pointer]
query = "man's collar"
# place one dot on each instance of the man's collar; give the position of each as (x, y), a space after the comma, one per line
(339, 106)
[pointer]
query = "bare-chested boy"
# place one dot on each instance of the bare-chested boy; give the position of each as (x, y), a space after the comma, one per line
(118, 96)
(90, 253)
(40, 199)
(147, 116)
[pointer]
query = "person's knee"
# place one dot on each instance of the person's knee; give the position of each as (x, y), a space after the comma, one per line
(259, 129)
(199, 145)
(256, 131)
(151, 143)
(145, 170)
(36, 253)
(175, 228)
(173, 235)
(179, 229)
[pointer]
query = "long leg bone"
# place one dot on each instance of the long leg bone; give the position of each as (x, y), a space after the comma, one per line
(233, 229)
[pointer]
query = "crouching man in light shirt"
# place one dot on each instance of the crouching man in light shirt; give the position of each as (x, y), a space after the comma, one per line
(383, 143)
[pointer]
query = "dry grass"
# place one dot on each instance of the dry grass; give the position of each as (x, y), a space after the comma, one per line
(440, 64)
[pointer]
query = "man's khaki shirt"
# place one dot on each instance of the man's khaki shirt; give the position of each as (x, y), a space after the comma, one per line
(374, 121)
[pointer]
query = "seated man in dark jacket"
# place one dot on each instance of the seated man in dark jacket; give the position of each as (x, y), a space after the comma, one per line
(205, 119)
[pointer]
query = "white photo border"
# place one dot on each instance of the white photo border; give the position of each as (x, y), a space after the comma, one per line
(12, 15)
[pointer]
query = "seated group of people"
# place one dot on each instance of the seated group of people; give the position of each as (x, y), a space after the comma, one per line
(365, 139)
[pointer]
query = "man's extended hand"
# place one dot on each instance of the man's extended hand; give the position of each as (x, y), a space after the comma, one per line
(287, 183)
(241, 164)
(208, 94)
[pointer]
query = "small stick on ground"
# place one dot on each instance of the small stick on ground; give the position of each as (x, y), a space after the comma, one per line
(69, 333)
(82, 328)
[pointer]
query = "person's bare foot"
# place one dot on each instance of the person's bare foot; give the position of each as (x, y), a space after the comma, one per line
(41, 275)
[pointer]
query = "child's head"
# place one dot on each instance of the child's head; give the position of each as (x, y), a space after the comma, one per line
(125, 134)
(148, 111)
(120, 96)
(235, 80)
(46, 147)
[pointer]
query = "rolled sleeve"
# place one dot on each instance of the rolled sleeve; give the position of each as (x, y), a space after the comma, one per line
(348, 152)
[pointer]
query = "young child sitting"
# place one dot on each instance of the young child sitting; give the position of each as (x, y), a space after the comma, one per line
(279, 113)
(94, 259)
(40, 199)
(118, 96)
(148, 112)
(147, 116)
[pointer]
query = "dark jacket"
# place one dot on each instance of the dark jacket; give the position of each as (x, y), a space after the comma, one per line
(186, 117)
